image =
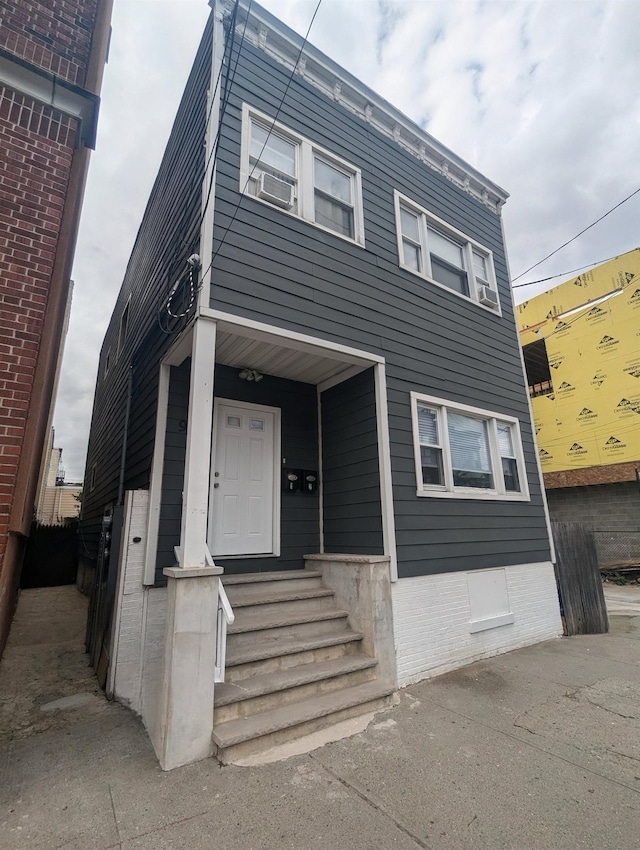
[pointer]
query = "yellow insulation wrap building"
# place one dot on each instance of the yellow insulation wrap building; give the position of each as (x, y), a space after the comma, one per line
(581, 344)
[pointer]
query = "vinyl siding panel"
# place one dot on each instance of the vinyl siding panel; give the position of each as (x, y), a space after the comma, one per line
(273, 267)
(168, 235)
(299, 527)
(351, 477)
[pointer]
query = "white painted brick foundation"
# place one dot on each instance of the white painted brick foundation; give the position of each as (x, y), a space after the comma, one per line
(432, 615)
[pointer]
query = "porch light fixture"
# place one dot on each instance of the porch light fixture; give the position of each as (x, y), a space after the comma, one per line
(250, 375)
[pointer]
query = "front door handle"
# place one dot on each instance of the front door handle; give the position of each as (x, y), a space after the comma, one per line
(216, 485)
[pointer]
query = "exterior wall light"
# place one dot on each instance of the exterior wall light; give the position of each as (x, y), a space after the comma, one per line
(250, 375)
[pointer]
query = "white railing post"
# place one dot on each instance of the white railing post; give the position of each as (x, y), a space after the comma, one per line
(225, 618)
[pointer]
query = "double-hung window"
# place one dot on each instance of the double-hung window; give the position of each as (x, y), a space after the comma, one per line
(285, 170)
(429, 247)
(465, 452)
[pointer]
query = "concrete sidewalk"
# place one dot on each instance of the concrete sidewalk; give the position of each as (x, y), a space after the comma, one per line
(535, 750)
(622, 599)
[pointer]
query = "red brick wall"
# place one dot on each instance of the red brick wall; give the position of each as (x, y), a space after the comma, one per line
(41, 179)
(37, 147)
(55, 35)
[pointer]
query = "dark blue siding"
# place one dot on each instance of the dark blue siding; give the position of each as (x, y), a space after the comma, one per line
(278, 269)
(168, 235)
(173, 468)
(299, 527)
(351, 475)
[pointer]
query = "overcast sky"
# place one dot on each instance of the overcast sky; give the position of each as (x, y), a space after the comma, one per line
(542, 97)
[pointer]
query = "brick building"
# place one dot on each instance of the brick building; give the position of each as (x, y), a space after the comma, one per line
(52, 54)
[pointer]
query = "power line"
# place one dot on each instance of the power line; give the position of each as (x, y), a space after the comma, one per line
(566, 274)
(273, 123)
(169, 321)
(223, 108)
(573, 238)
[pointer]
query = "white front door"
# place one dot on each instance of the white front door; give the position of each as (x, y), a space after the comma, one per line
(242, 504)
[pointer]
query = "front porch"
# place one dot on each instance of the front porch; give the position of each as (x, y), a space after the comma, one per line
(269, 446)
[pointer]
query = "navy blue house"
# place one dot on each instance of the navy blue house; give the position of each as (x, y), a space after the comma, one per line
(310, 396)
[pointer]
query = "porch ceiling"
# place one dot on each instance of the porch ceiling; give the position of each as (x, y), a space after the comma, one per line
(294, 361)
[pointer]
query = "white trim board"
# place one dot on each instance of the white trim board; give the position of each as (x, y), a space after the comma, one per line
(384, 464)
(271, 35)
(251, 329)
(157, 469)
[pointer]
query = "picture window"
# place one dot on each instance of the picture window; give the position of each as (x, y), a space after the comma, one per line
(466, 452)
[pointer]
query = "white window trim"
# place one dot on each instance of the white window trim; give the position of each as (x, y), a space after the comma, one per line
(469, 245)
(305, 152)
(448, 491)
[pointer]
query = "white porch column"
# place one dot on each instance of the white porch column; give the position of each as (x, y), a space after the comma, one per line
(185, 705)
(184, 720)
(192, 552)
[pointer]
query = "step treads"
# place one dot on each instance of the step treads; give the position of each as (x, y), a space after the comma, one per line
(288, 716)
(264, 597)
(282, 575)
(289, 646)
(279, 619)
(260, 685)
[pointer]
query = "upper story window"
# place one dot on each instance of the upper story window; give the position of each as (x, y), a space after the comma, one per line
(438, 252)
(283, 169)
(465, 452)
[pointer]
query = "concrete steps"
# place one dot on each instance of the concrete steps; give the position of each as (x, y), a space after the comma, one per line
(294, 665)
(237, 738)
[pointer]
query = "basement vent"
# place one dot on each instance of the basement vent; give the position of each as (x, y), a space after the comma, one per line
(276, 191)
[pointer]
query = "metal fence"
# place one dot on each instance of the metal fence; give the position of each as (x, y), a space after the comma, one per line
(617, 548)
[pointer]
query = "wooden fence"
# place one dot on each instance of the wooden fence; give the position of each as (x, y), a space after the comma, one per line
(579, 581)
(50, 558)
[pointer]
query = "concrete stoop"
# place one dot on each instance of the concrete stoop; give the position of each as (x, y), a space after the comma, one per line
(294, 665)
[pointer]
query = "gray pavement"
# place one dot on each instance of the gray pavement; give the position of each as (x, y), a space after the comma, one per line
(538, 749)
(622, 599)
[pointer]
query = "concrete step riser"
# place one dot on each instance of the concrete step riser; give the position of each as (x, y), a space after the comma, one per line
(283, 736)
(297, 606)
(265, 702)
(239, 672)
(300, 631)
(237, 591)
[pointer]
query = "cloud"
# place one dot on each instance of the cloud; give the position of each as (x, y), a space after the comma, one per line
(539, 96)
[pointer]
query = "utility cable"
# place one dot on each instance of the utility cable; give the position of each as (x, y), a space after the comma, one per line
(173, 319)
(273, 123)
(573, 238)
(566, 274)
(586, 307)
(223, 108)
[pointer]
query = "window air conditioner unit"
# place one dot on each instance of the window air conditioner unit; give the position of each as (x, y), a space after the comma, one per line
(276, 191)
(488, 297)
